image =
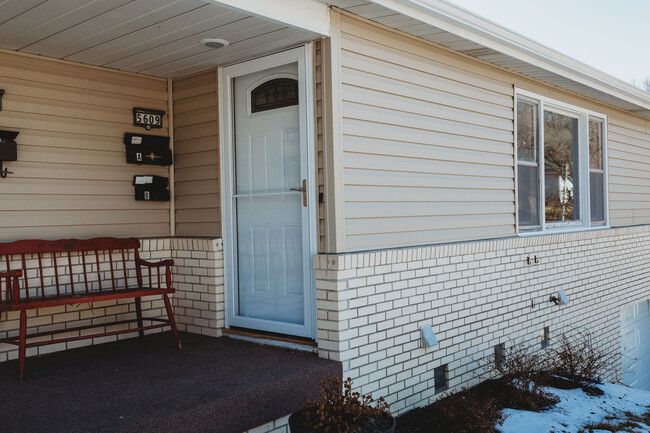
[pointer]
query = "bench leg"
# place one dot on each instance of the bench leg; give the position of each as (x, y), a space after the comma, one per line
(22, 345)
(172, 322)
(138, 311)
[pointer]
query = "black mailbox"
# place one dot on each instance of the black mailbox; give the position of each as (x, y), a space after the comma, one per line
(8, 150)
(146, 140)
(8, 146)
(147, 149)
(148, 155)
(151, 188)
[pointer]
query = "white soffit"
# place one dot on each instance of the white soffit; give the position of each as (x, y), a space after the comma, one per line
(152, 37)
(456, 28)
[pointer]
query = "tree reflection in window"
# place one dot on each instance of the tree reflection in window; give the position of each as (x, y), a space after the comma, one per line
(276, 93)
(560, 165)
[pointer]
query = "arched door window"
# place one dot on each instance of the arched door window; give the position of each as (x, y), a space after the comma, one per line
(276, 93)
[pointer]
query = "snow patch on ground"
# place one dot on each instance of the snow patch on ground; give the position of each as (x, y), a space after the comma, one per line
(577, 409)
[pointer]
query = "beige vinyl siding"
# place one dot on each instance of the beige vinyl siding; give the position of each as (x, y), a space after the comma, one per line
(71, 178)
(427, 143)
(197, 155)
(629, 171)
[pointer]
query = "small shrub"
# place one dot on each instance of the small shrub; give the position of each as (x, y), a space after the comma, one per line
(520, 365)
(578, 359)
(344, 411)
(518, 385)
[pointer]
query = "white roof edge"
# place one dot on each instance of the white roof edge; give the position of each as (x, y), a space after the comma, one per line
(470, 26)
(306, 15)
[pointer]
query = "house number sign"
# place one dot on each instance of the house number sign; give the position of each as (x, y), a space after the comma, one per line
(147, 118)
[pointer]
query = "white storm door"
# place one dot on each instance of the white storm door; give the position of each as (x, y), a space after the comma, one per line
(269, 215)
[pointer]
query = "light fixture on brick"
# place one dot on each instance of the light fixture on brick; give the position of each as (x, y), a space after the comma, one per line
(428, 337)
(560, 299)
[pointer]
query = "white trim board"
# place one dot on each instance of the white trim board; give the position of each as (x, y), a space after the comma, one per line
(301, 14)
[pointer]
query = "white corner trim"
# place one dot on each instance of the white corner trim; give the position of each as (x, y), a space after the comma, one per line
(301, 14)
(465, 24)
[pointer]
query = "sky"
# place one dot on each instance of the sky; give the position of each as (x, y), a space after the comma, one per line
(610, 35)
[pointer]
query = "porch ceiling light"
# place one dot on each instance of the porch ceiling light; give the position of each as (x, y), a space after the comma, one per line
(214, 43)
(560, 299)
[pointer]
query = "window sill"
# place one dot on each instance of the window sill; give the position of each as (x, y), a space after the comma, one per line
(559, 231)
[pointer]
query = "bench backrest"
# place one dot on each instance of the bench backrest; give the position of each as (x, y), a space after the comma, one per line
(69, 266)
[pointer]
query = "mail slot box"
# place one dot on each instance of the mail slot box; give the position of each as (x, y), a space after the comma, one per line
(146, 140)
(8, 150)
(147, 149)
(148, 155)
(151, 180)
(143, 193)
(151, 188)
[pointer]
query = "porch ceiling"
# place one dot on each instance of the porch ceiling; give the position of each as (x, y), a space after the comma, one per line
(152, 37)
(456, 28)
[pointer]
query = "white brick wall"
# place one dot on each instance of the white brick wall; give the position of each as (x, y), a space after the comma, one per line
(475, 295)
(370, 306)
(198, 279)
(198, 301)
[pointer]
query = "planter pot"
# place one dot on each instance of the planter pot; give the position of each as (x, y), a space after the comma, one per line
(294, 427)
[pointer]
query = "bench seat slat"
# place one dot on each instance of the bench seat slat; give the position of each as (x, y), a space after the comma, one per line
(82, 298)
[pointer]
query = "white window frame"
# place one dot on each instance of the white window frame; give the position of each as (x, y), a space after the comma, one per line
(583, 115)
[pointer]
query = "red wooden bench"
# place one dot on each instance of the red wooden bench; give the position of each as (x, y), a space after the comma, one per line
(79, 276)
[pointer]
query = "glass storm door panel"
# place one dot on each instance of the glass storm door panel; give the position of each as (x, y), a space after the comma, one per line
(268, 215)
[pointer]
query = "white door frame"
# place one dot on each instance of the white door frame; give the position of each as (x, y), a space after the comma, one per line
(301, 55)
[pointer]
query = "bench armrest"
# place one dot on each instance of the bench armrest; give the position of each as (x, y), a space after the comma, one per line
(151, 266)
(12, 288)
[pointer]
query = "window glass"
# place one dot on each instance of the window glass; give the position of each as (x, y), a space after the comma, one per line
(528, 167)
(595, 144)
(596, 174)
(277, 93)
(527, 195)
(597, 192)
(560, 167)
(527, 131)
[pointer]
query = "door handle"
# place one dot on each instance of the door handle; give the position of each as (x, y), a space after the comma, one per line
(303, 190)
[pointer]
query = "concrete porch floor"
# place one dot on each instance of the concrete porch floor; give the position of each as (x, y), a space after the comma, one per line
(148, 385)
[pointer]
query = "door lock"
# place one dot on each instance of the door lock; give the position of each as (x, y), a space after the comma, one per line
(303, 190)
